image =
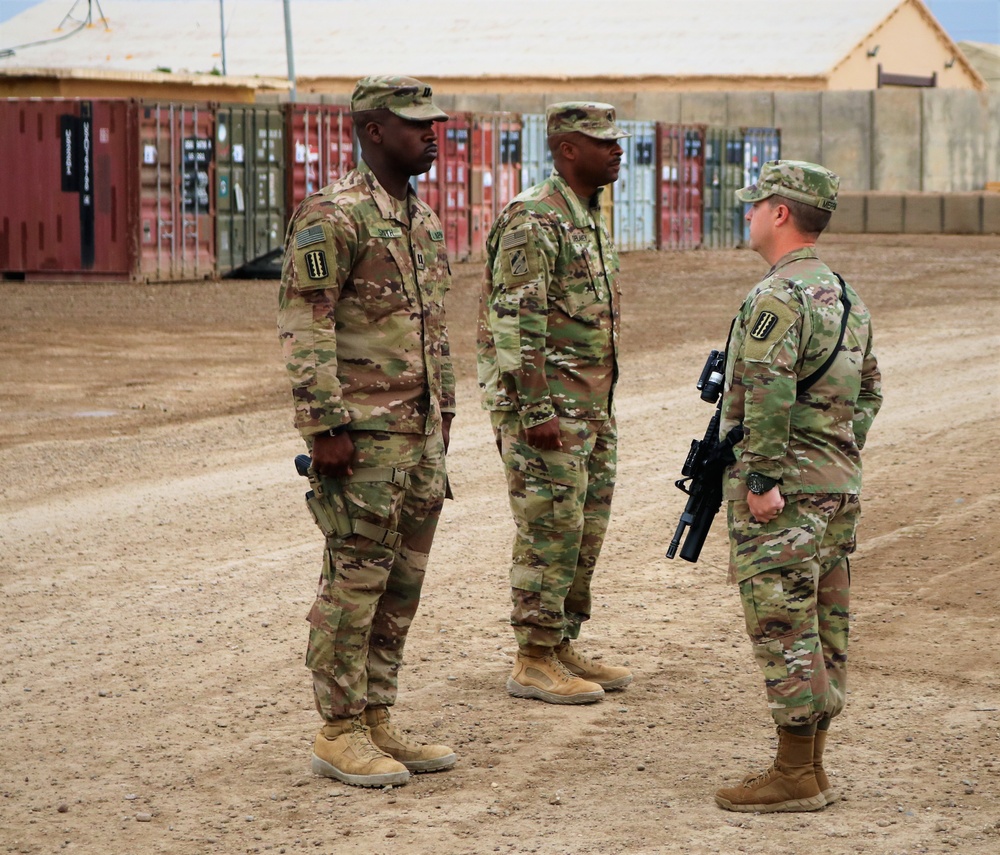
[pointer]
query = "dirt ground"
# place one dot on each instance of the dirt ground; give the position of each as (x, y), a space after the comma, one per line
(157, 563)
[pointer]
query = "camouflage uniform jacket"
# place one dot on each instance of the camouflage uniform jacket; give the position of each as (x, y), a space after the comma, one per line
(786, 329)
(550, 308)
(361, 311)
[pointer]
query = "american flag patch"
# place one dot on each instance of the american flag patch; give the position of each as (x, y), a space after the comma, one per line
(309, 236)
(512, 239)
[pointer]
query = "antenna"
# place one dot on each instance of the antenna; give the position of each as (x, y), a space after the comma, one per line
(89, 19)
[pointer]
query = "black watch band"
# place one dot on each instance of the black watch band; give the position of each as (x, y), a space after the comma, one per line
(759, 484)
(336, 431)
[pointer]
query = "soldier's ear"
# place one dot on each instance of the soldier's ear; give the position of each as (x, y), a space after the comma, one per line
(373, 131)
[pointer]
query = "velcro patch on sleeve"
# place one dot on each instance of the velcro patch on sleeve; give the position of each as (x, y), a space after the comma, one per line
(309, 236)
(518, 237)
(314, 253)
(436, 235)
(771, 320)
(315, 264)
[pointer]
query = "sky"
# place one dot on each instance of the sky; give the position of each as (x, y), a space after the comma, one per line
(965, 20)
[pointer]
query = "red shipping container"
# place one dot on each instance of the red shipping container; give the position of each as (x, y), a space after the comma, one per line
(176, 196)
(445, 187)
(66, 189)
(681, 168)
(320, 148)
(496, 172)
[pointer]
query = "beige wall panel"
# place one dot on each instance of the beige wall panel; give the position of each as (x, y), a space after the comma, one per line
(954, 141)
(884, 213)
(963, 213)
(750, 109)
(922, 213)
(896, 154)
(849, 218)
(704, 108)
(798, 116)
(847, 143)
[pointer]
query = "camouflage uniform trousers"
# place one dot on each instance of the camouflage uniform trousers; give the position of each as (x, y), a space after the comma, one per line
(369, 592)
(797, 614)
(561, 502)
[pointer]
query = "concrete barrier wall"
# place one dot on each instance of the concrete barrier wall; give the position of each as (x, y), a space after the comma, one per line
(896, 160)
(917, 213)
(889, 140)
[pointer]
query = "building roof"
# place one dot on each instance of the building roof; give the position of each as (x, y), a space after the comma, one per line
(470, 39)
(985, 58)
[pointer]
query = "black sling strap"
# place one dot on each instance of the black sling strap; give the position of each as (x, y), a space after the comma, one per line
(806, 383)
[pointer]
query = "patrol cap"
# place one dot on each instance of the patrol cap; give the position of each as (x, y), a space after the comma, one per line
(586, 117)
(794, 179)
(407, 97)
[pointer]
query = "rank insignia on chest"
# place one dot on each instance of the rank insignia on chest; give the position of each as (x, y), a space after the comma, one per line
(517, 260)
(420, 260)
(316, 264)
(763, 325)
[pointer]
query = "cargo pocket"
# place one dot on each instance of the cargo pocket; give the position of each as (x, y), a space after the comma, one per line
(547, 488)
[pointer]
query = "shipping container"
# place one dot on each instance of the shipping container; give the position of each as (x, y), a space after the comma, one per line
(723, 214)
(445, 187)
(67, 189)
(759, 146)
(635, 193)
(496, 172)
(321, 148)
(681, 168)
(176, 198)
(536, 159)
(251, 214)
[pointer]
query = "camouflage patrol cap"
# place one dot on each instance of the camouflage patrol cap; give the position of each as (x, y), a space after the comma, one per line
(794, 179)
(407, 97)
(587, 117)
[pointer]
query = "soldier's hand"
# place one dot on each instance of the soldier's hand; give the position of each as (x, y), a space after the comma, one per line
(332, 455)
(766, 506)
(544, 437)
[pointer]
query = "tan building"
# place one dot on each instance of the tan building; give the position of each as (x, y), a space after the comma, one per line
(515, 47)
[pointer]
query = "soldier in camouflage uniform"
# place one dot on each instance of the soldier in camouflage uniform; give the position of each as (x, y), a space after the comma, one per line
(806, 404)
(362, 326)
(548, 362)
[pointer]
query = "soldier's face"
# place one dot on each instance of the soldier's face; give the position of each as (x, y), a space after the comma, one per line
(760, 215)
(410, 145)
(599, 161)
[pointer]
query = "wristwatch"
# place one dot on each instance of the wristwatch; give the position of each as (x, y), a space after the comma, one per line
(336, 431)
(759, 484)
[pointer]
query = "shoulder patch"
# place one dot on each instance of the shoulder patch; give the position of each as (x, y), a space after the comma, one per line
(518, 237)
(309, 236)
(315, 262)
(436, 234)
(517, 262)
(770, 322)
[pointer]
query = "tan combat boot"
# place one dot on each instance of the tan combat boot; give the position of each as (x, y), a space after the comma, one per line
(414, 755)
(826, 788)
(606, 676)
(344, 750)
(539, 674)
(789, 785)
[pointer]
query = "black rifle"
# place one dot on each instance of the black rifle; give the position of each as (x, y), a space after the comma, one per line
(705, 466)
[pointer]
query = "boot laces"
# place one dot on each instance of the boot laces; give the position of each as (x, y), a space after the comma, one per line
(561, 667)
(361, 742)
(759, 778)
